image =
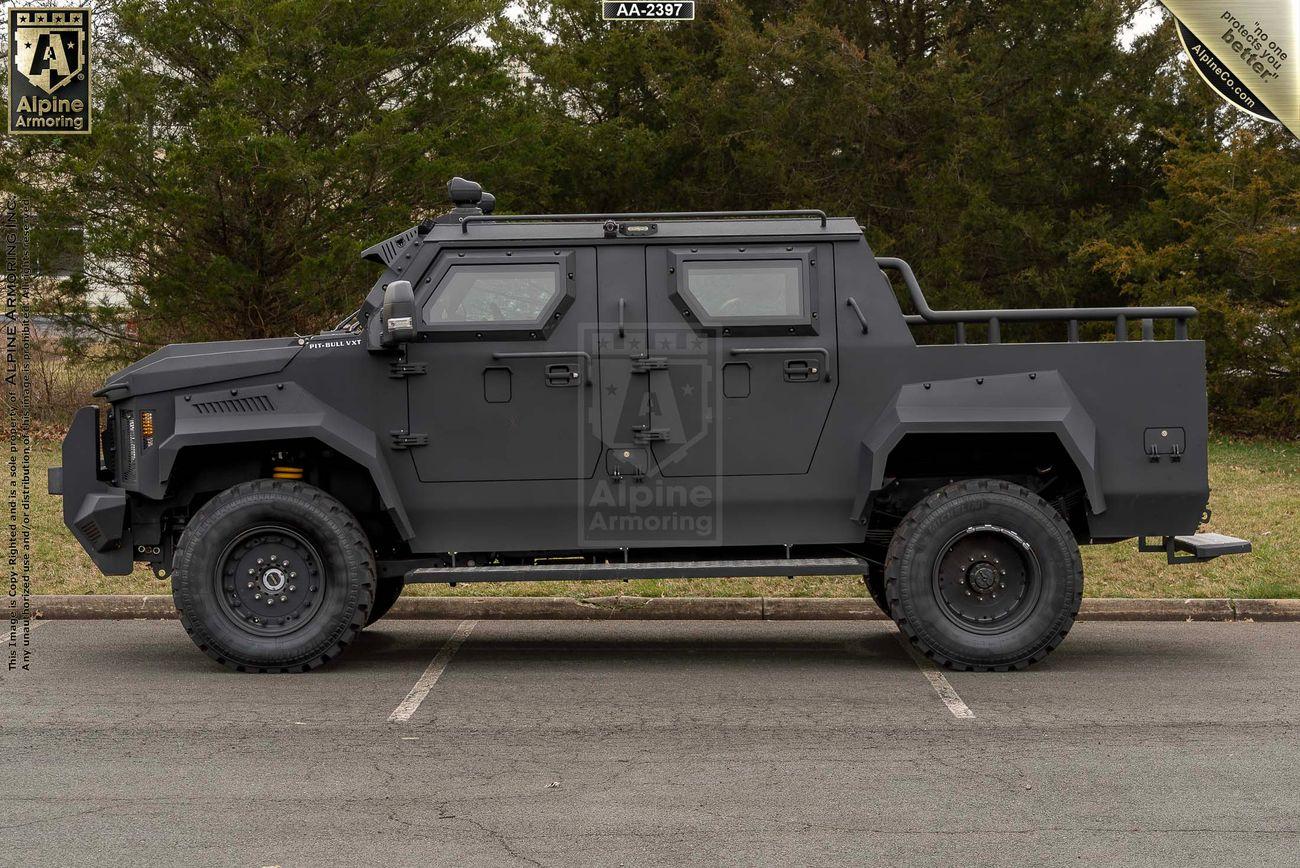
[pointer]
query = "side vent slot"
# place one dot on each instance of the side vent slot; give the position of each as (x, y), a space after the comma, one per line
(250, 404)
(91, 530)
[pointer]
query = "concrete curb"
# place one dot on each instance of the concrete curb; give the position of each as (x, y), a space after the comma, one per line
(129, 606)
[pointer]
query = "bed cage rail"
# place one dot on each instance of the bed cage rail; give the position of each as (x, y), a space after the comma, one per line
(800, 213)
(994, 318)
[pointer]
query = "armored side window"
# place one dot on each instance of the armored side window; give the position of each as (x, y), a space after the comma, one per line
(470, 295)
(494, 294)
(762, 290)
(768, 290)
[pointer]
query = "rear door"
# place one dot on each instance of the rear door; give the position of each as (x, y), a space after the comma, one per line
(499, 381)
(745, 336)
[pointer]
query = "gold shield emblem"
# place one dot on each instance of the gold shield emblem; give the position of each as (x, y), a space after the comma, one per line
(50, 50)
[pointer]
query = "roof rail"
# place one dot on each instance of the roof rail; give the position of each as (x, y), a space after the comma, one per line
(810, 213)
(994, 317)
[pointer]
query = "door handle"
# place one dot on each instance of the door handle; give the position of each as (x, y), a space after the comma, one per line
(862, 317)
(561, 375)
(584, 377)
(622, 307)
(824, 370)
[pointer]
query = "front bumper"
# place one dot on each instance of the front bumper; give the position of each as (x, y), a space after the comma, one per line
(94, 510)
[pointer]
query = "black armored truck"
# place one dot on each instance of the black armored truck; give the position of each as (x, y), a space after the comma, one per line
(615, 396)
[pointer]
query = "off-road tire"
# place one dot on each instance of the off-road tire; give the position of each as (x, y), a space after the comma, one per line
(932, 593)
(386, 594)
(874, 579)
(338, 567)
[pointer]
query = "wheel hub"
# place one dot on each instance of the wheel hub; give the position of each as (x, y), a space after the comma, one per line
(274, 580)
(981, 577)
(270, 580)
(986, 578)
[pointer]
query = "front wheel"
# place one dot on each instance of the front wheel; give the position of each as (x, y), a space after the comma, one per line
(984, 574)
(386, 594)
(273, 576)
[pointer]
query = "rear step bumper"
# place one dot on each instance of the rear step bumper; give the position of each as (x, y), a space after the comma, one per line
(646, 570)
(1196, 547)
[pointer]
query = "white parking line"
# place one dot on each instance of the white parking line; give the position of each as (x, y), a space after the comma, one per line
(940, 684)
(411, 703)
(11, 635)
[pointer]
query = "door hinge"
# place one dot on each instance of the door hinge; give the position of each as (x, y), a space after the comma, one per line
(645, 434)
(397, 370)
(642, 364)
(405, 440)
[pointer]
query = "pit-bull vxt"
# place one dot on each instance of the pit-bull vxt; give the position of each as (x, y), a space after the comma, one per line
(617, 396)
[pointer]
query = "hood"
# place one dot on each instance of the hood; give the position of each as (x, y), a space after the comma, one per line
(180, 366)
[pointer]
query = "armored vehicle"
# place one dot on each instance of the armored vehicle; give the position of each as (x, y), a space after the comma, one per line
(615, 396)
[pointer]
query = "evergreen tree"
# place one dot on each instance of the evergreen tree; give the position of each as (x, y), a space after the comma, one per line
(243, 152)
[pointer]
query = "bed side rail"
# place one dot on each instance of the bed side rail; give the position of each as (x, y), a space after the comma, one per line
(1072, 316)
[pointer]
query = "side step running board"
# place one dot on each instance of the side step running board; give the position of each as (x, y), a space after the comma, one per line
(1200, 547)
(646, 570)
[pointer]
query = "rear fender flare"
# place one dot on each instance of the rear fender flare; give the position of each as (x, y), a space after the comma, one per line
(1039, 401)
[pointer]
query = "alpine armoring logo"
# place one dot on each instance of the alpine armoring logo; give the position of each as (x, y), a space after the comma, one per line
(49, 70)
(659, 425)
(1217, 75)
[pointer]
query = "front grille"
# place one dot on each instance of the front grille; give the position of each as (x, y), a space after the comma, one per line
(129, 447)
(250, 404)
(108, 447)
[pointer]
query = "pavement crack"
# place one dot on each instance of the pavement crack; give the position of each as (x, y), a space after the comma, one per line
(501, 840)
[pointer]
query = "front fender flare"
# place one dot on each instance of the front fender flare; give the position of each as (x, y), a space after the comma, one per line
(294, 414)
(1004, 403)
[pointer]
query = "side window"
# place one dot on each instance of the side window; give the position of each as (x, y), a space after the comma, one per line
(768, 289)
(494, 294)
(738, 290)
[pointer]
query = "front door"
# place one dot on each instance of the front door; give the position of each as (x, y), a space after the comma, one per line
(746, 340)
(499, 382)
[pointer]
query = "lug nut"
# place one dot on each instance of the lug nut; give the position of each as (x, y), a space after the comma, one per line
(259, 560)
(284, 563)
(251, 584)
(293, 575)
(257, 596)
(252, 572)
(284, 599)
(292, 588)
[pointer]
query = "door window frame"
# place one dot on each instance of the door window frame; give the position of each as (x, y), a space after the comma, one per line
(563, 261)
(690, 309)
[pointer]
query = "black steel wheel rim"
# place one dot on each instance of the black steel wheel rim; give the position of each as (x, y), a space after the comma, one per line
(270, 580)
(987, 579)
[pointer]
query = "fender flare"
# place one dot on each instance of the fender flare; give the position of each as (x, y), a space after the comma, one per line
(1039, 401)
(296, 414)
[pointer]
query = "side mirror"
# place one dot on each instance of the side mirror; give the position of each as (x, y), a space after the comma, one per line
(399, 313)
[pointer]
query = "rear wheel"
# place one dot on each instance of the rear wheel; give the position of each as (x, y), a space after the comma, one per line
(386, 595)
(984, 574)
(273, 576)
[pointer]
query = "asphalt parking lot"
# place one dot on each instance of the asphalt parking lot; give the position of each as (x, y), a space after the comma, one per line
(608, 743)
